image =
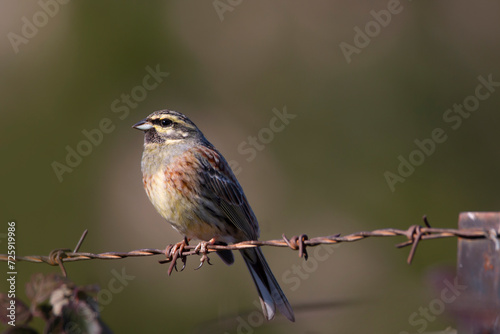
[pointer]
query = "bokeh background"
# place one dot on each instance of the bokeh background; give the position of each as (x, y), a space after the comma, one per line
(229, 65)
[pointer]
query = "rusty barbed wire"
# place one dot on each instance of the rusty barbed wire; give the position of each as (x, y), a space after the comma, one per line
(414, 235)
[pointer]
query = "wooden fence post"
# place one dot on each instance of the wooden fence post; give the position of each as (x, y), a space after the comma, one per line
(478, 268)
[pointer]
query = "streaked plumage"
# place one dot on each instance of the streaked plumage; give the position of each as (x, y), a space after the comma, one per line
(192, 186)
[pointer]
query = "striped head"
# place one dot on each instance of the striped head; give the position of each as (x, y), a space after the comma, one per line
(168, 127)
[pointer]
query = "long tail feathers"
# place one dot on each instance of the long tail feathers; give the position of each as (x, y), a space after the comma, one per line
(271, 296)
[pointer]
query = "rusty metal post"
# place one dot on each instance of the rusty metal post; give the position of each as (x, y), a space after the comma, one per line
(478, 271)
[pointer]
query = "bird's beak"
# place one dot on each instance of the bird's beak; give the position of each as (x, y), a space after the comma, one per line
(143, 125)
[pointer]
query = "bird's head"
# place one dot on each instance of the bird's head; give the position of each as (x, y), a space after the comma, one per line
(168, 127)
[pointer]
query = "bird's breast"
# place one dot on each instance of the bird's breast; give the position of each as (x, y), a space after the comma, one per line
(174, 190)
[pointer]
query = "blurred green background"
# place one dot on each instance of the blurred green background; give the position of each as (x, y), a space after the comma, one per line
(229, 65)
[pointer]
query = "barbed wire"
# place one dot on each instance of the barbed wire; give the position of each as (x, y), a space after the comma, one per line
(182, 250)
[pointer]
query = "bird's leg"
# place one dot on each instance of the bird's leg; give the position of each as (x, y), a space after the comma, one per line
(173, 252)
(202, 248)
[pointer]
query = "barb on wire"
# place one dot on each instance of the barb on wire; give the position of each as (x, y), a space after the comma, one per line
(414, 235)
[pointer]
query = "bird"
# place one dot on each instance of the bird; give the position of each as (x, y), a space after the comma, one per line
(193, 188)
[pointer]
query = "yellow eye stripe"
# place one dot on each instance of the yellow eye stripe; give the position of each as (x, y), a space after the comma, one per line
(174, 119)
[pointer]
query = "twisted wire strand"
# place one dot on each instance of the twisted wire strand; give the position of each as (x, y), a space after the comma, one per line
(414, 235)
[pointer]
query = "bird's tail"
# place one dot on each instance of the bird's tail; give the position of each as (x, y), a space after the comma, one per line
(271, 296)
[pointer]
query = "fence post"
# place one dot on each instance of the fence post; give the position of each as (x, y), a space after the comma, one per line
(478, 268)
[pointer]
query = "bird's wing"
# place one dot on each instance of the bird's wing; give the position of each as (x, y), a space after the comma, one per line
(220, 182)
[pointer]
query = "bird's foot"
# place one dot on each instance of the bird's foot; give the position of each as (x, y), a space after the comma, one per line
(173, 252)
(202, 249)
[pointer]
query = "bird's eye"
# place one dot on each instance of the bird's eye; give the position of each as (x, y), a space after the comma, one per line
(166, 122)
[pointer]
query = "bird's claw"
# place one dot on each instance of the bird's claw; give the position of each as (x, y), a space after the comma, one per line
(173, 252)
(203, 259)
(202, 248)
(184, 261)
